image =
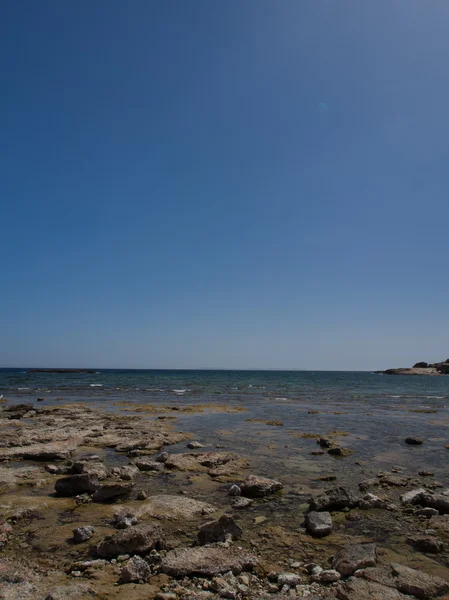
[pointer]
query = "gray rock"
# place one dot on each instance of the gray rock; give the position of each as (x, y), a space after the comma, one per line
(414, 441)
(168, 506)
(219, 530)
(82, 534)
(135, 540)
(90, 465)
(53, 470)
(351, 558)
(235, 490)
(162, 457)
(318, 523)
(75, 484)
(329, 576)
(426, 543)
(125, 520)
(142, 495)
(438, 502)
(74, 591)
(148, 464)
(128, 472)
(290, 579)
(359, 589)
(427, 512)
(111, 491)
(136, 570)
(206, 561)
(241, 502)
(414, 496)
(255, 486)
(195, 445)
(370, 501)
(335, 499)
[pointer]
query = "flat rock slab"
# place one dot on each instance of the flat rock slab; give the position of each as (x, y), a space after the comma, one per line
(76, 484)
(206, 561)
(407, 581)
(333, 499)
(135, 540)
(358, 589)
(173, 507)
(60, 450)
(112, 491)
(351, 558)
(256, 486)
(214, 463)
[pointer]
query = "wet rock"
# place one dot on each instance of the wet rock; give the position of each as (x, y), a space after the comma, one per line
(128, 472)
(318, 524)
(112, 491)
(142, 495)
(136, 570)
(339, 451)
(76, 484)
(241, 502)
(407, 581)
(427, 512)
(439, 502)
(324, 442)
(235, 490)
(219, 530)
(93, 467)
(426, 474)
(335, 499)
(414, 441)
(366, 484)
(426, 543)
(369, 501)
(53, 470)
(166, 506)
(135, 540)
(255, 486)
(394, 481)
(359, 589)
(216, 464)
(206, 561)
(148, 464)
(195, 445)
(351, 558)
(82, 534)
(162, 457)
(414, 496)
(125, 520)
(290, 579)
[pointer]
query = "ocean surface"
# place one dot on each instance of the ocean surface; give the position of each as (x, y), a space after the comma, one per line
(273, 417)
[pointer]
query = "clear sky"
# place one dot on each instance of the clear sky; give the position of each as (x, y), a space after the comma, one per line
(224, 184)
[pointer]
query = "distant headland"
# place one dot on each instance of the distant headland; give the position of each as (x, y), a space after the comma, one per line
(61, 371)
(421, 368)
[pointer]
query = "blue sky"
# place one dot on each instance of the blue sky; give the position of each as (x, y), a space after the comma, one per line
(239, 184)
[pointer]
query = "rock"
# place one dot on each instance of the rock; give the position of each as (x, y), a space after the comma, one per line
(339, 451)
(241, 502)
(427, 512)
(426, 543)
(370, 501)
(359, 589)
(166, 596)
(123, 521)
(290, 579)
(234, 490)
(195, 445)
(413, 441)
(334, 499)
(76, 484)
(58, 450)
(147, 464)
(53, 469)
(166, 506)
(82, 534)
(351, 558)
(136, 570)
(5, 532)
(111, 491)
(90, 465)
(206, 561)
(324, 442)
(407, 581)
(414, 496)
(128, 472)
(318, 523)
(438, 502)
(142, 495)
(162, 457)
(329, 576)
(135, 540)
(255, 486)
(219, 531)
(216, 464)
(70, 592)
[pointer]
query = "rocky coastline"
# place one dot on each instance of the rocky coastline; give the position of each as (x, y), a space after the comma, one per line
(95, 504)
(421, 368)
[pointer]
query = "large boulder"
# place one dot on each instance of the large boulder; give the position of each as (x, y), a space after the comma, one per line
(318, 524)
(426, 543)
(255, 486)
(73, 485)
(335, 499)
(135, 540)
(218, 531)
(112, 491)
(135, 570)
(206, 561)
(356, 556)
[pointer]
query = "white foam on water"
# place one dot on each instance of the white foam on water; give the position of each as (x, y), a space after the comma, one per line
(97, 385)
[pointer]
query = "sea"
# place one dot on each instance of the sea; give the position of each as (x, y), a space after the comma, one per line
(272, 417)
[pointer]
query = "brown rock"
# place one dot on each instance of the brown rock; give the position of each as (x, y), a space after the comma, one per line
(135, 540)
(206, 561)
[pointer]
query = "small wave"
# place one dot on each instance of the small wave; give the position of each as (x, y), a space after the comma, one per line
(97, 385)
(281, 398)
(23, 389)
(180, 391)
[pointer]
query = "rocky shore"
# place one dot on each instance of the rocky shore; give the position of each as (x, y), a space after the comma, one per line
(421, 368)
(96, 504)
